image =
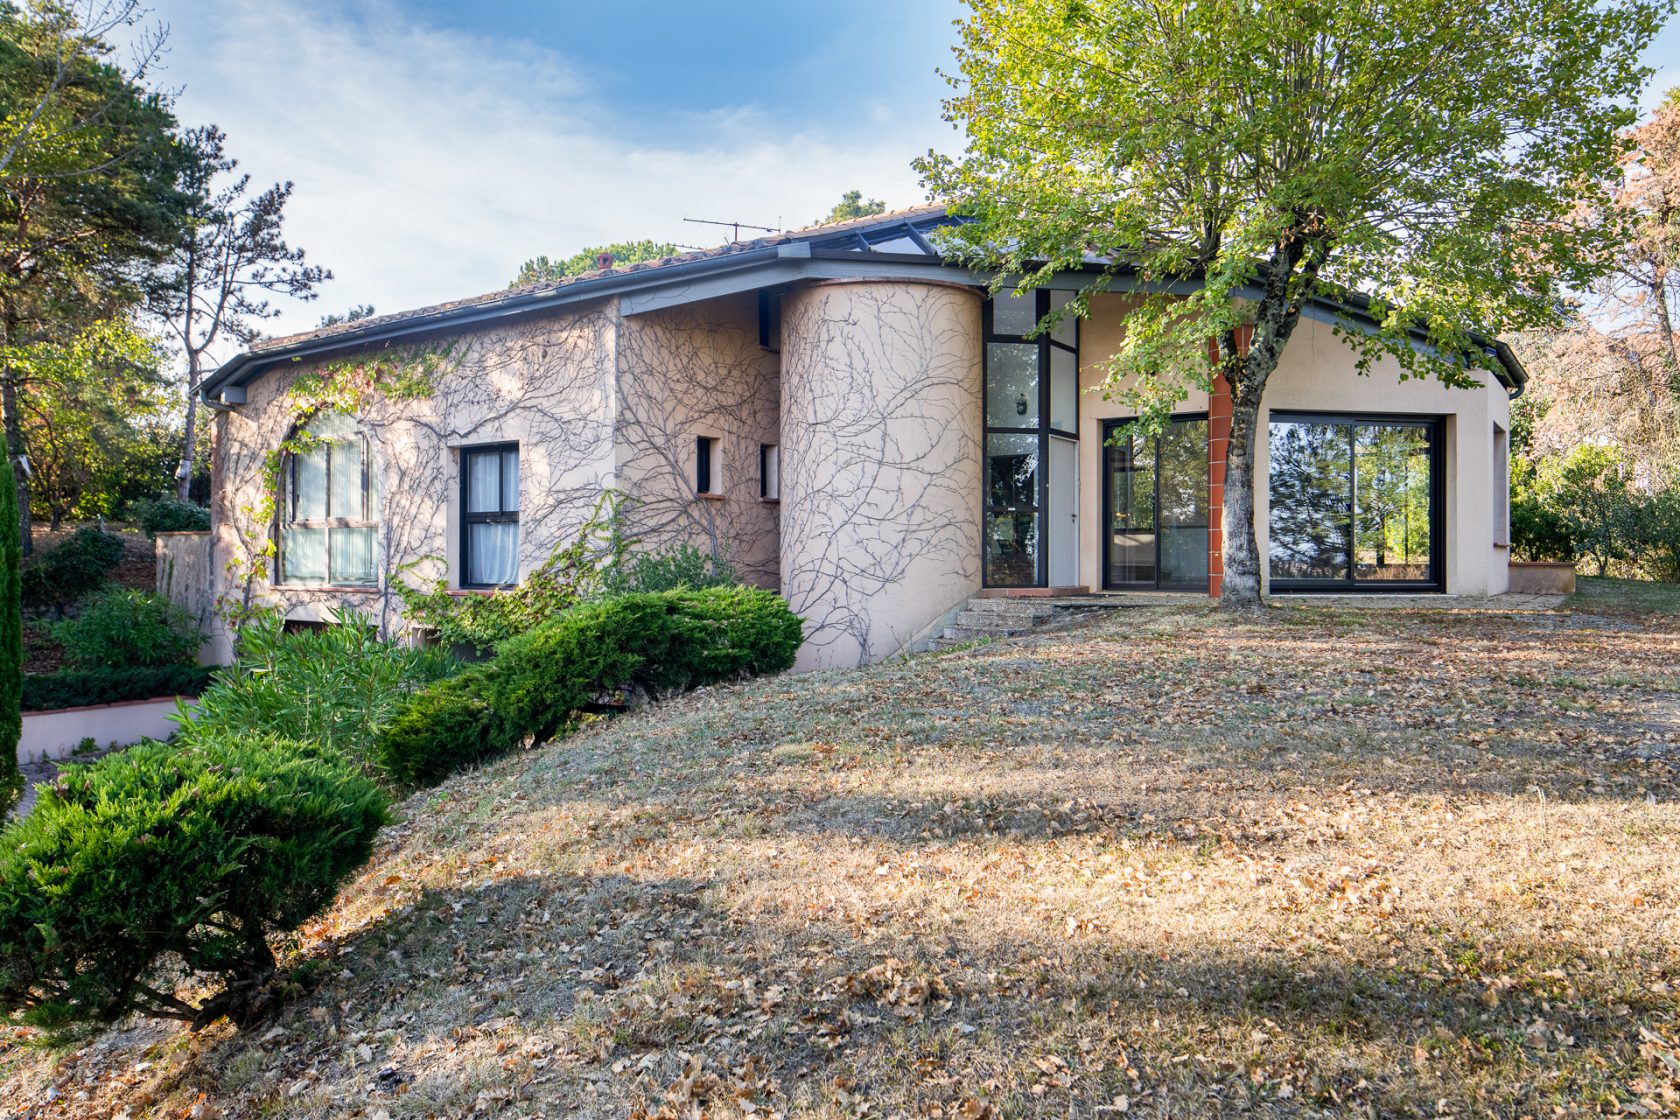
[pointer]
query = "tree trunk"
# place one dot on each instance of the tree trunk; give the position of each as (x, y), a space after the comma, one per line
(1665, 327)
(1240, 586)
(184, 472)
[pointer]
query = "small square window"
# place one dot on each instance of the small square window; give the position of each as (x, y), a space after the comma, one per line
(769, 472)
(707, 467)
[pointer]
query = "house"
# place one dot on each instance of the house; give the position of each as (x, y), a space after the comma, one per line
(844, 414)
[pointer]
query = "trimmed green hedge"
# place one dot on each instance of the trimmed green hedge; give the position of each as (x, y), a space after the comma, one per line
(162, 855)
(70, 688)
(539, 682)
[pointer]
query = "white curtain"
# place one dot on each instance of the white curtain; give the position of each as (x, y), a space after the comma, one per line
(492, 553)
(484, 483)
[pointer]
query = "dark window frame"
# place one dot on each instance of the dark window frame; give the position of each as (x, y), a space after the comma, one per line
(1109, 427)
(707, 451)
(288, 518)
(764, 452)
(1436, 425)
(1043, 430)
(500, 516)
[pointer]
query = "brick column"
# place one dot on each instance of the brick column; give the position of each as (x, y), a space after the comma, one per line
(1219, 436)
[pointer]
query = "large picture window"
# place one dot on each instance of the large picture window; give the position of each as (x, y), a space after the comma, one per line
(1356, 503)
(490, 515)
(1032, 395)
(329, 520)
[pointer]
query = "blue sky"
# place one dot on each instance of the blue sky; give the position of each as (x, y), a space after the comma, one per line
(436, 145)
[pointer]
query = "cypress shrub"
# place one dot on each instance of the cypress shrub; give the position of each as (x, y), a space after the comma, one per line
(69, 688)
(167, 855)
(11, 640)
(542, 680)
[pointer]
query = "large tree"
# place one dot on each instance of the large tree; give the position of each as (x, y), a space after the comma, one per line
(541, 270)
(230, 258)
(83, 218)
(1235, 160)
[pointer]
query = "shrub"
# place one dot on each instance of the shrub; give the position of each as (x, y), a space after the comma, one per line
(70, 688)
(120, 628)
(453, 723)
(71, 569)
(168, 515)
(335, 685)
(540, 682)
(574, 572)
(166, 855)
(682, 568)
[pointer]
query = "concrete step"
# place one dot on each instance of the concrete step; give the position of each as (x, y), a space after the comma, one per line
(1001, 620)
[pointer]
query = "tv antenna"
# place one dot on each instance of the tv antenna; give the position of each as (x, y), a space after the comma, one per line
(735, 227)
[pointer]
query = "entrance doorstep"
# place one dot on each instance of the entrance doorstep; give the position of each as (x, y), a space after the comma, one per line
(1030, 592)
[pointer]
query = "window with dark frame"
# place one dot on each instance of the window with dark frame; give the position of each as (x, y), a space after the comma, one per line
(706, 479)
(329, 518)
(769, 472)
(490, 516)
(1356, 502)
(1031, 395)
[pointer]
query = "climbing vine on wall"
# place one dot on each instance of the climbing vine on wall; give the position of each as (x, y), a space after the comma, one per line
(345, 386)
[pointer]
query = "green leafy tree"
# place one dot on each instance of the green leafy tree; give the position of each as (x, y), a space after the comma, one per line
(852, 205)
(11, 643)
(541, 270)
(88, 421)
(356, 314)
(1239, 160)
(84, 219)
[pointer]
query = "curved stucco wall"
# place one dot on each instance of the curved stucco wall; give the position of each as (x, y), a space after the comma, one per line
(881, 443)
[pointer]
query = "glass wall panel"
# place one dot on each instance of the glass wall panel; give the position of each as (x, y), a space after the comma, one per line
(1012, 471)
(351, 555)
(1012, 385)
(1392, 469)
(1131, 513)
(1183, 514)
(348, 484)
(309, 485)
(1312, 509)
(1011, 549)
(1013, 314)
(303, 554)
(1064, 389)
(1067, 331)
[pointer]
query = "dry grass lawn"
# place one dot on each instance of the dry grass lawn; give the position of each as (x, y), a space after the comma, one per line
(1329, 863)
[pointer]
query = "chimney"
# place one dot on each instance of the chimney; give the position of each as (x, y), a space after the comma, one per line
(603, 261)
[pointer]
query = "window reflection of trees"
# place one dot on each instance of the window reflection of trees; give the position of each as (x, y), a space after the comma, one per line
(1311, 511)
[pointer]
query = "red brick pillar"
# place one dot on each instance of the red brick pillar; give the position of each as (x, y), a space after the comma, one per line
(1219, 436)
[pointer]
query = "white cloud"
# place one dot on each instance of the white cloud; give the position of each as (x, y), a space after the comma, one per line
(429, 164)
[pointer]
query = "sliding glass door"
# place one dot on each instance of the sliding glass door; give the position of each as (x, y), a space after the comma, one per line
(1356, 503)
(1157, 508)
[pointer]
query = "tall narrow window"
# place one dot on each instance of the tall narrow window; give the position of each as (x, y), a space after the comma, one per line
(706, 480)
(1501, 487)
(490, 515)
(1031, 396)
(329, 518)
(769, 472)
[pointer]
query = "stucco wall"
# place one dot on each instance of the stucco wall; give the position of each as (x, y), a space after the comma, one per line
(1316, 374)
(683, 373)
(545, 383)
(880, 527)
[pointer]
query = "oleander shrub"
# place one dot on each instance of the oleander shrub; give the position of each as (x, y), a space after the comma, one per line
(335, 685)
(540, 682)
(165, 866)
(73, 688)
(77, 565)
(118, 628)
(168, 515)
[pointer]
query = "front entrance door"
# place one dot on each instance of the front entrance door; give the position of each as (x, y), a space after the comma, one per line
(1157, 509)
(1062, 532)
